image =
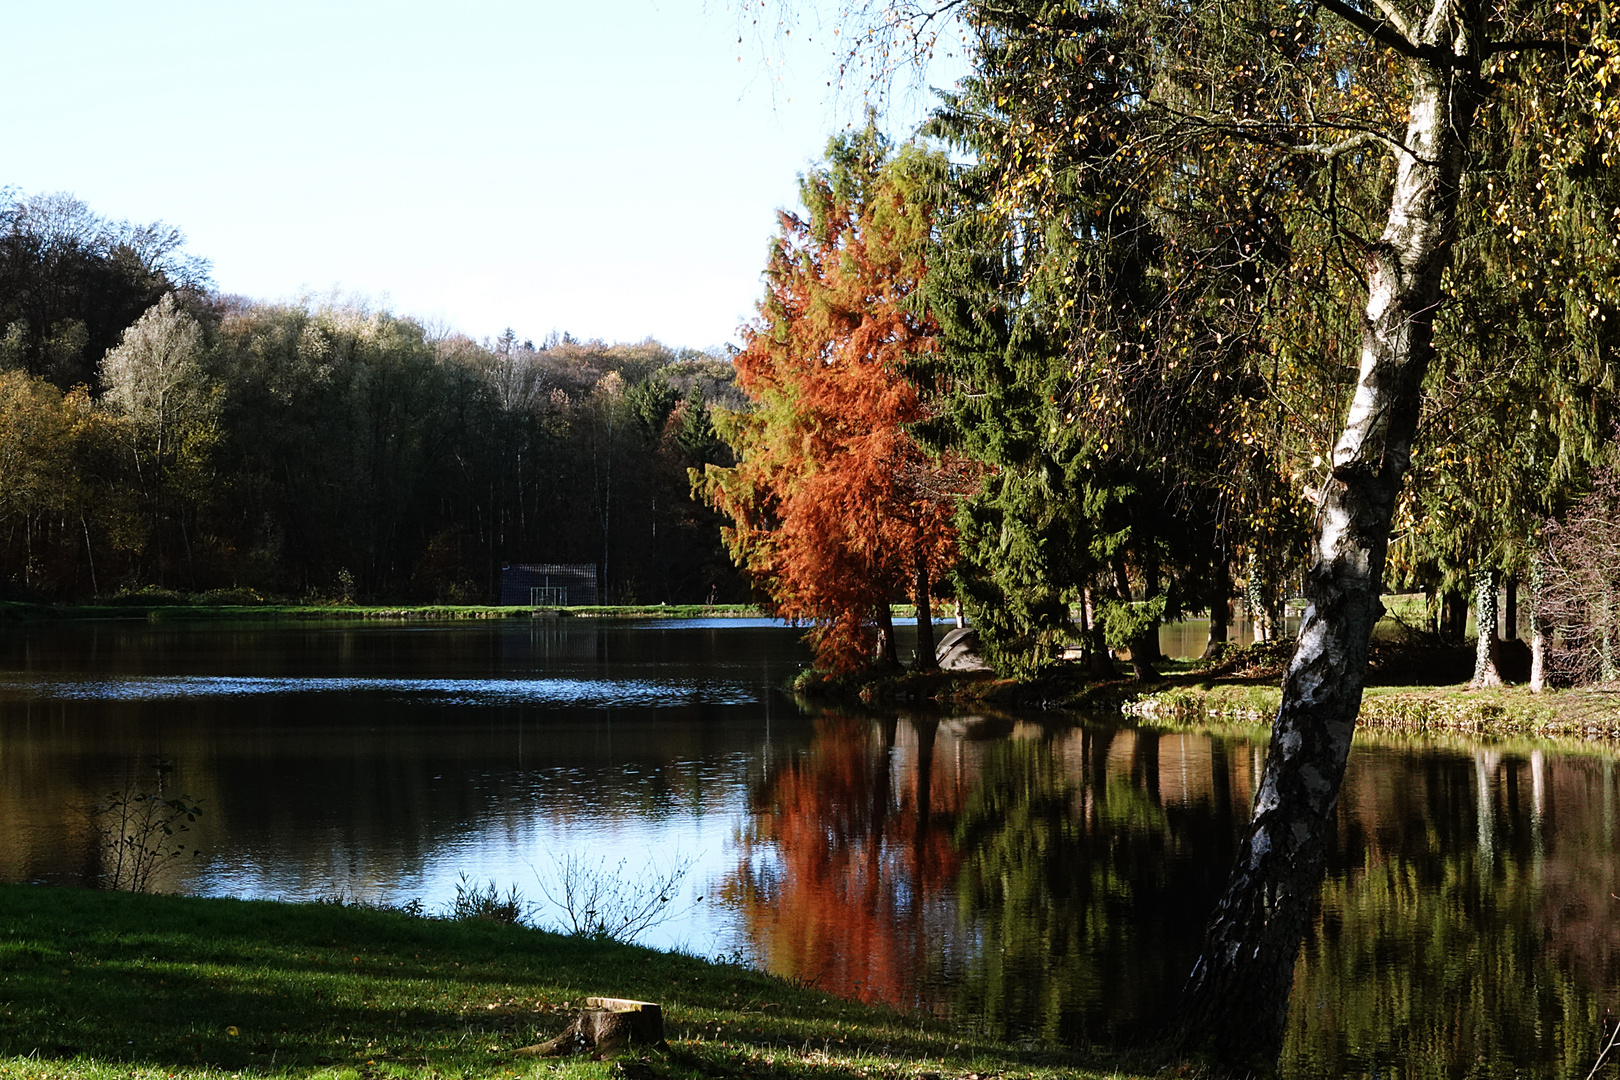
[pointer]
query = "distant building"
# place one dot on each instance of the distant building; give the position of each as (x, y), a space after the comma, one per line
(548, 584)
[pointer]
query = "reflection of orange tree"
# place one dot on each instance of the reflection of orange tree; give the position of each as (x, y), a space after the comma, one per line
(851, 898)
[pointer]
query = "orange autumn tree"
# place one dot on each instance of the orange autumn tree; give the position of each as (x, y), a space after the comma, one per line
(835, 509)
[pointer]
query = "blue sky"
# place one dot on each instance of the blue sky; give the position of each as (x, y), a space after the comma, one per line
(608, 169)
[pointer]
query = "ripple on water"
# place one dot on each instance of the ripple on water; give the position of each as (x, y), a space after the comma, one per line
(598, 693)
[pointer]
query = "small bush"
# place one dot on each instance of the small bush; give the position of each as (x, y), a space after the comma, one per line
(487, 904)
(141, 831)
(228, 598)
(149, 596)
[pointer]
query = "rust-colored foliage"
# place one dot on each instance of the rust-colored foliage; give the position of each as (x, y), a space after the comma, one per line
(836, 510)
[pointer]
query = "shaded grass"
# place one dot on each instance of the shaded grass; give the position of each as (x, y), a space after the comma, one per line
(114, 984)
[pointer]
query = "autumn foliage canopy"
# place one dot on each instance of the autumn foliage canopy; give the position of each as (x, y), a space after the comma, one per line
(835, 510)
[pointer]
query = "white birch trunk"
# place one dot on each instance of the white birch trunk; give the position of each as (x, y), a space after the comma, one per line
(1236, 1001)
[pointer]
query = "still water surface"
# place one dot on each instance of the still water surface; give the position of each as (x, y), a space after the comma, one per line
(1036, 878)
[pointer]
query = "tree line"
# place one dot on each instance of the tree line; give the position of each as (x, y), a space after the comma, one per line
(157, 434)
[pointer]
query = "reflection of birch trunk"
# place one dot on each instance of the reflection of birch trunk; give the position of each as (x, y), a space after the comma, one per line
(1538, 629)
(1485, 765)
(1538, 809)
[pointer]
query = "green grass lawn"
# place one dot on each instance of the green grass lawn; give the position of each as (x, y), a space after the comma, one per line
(97, 984)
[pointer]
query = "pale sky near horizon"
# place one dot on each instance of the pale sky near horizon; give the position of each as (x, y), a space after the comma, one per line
(612, 170)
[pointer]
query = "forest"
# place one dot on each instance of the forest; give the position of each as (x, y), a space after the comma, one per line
(160, 438)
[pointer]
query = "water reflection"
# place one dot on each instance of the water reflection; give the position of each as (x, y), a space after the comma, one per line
(1467, 924)
(598, 693)
(1040, 880)
(1470, 921)
(1045, 882)
(383, 761)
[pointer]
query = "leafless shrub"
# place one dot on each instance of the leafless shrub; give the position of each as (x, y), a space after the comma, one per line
(1579, 595)
(598, 900)
(143, 832)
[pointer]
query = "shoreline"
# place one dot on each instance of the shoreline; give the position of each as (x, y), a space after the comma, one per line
(1245, 691)
(15, 612)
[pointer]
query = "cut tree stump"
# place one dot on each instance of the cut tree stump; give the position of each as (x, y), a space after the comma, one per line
(606, 1026)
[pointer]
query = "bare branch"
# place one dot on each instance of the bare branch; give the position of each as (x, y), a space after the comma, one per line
(1275, 134)
(1329, 151)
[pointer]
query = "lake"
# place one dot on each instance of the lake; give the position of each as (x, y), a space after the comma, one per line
(1037, 877)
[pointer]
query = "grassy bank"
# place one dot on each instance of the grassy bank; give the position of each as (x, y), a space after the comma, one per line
(113, 984)
(1504, 712)
(1245, 688)
(18, 612)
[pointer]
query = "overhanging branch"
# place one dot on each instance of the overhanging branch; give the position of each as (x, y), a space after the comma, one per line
(1390, 36)
(1382, 31)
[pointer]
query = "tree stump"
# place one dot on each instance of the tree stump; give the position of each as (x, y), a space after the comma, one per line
(606, 1026)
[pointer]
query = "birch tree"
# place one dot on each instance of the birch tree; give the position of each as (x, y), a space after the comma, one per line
(155, 381)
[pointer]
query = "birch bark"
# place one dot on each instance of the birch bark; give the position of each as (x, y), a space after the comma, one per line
(1236, 1000)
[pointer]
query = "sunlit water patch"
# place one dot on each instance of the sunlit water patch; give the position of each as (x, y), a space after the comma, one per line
(599, 693)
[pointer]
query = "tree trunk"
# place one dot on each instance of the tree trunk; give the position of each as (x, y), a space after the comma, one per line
(1254, 600)
(1236, 1001)
(926, 660)
(1141, 653)
(1152, 654)
(1510, 608)
(1220, 610)
(1453, 624)
(604, 1027)
(887, 653)
(1486, 673)
(1538, 632)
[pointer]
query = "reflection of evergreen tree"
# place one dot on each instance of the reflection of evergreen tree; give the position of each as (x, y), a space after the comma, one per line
(1435, 974)
(1438, 950)
(1087, 893)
